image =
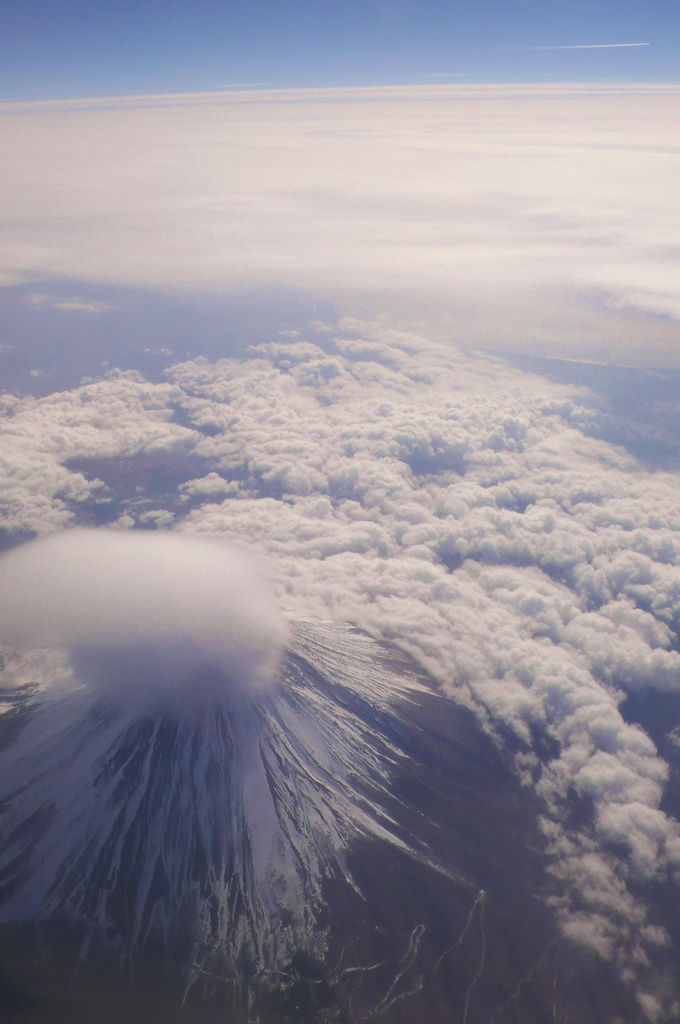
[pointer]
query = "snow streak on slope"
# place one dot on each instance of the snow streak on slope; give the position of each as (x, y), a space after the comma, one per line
(136, 824)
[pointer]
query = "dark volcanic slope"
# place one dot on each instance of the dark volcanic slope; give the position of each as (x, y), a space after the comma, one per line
(350, 848)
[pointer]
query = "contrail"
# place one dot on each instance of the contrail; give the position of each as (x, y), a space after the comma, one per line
(586, 46)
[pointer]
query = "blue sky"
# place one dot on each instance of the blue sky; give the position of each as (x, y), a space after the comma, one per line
(100, 48)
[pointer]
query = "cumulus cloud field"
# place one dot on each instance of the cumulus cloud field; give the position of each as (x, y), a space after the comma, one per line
(448, 503)
(469, 512)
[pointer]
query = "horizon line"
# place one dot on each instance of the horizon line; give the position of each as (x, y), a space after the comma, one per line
(421, 89)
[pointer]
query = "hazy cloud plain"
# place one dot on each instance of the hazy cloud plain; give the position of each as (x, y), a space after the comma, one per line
(511, 212)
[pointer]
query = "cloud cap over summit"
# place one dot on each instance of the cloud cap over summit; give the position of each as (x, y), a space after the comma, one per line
(144, 611)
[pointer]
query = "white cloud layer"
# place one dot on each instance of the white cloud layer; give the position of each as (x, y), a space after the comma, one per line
(452, 505)
(530, 214)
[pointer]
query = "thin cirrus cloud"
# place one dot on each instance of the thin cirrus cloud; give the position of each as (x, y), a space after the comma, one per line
(587, 46)
(525, 212)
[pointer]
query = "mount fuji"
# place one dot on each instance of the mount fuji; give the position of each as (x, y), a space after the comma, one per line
(347, 846)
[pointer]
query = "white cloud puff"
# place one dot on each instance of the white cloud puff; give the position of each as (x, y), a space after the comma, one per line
(151, 617)
(122, 416)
